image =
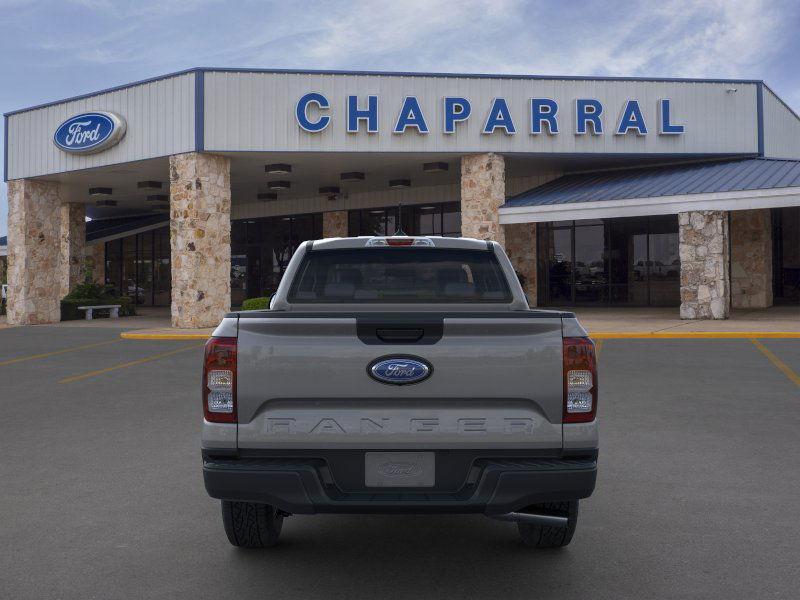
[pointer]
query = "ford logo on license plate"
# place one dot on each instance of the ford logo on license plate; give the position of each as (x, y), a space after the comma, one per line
(399, 370)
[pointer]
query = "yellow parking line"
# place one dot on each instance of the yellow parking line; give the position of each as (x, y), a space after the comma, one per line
(781, 366)
(164, 336)
(692, 335)
(132, 363)
(54, 353)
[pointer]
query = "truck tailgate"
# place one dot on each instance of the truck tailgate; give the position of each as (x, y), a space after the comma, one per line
(496, 382)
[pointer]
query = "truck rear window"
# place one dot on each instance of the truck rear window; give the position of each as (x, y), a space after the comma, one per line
(399, 275)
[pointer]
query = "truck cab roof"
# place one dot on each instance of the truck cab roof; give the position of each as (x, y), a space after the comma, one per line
(366, 241)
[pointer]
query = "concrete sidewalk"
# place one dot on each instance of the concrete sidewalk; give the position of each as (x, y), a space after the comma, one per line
(602, 323)
(605, 323)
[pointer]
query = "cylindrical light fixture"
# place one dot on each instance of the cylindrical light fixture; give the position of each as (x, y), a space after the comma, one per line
(352, 176)
(279, 185)
(329, 189)
(278, 168)
(106, 203)
(399, 183)
(157, 198)
(435, 167)
(100, 191)
(266, 196)
(160, 207)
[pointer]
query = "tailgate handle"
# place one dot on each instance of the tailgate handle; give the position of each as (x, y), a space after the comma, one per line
(400, 335)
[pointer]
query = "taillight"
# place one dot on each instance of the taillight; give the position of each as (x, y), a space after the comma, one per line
(580, 380)
(219, 380)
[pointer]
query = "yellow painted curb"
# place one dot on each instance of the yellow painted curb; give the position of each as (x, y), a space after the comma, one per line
(132, 335)
(693, 335)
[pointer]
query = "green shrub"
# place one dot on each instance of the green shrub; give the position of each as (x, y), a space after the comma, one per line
(256, 303)
(70, 312)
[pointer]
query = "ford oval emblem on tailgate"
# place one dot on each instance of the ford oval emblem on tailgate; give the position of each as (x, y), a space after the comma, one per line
(399, 370)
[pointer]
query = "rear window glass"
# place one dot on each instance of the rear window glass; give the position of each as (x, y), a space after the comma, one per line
(399, 275)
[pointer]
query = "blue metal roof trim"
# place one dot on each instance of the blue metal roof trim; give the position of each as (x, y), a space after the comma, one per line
(671, 180)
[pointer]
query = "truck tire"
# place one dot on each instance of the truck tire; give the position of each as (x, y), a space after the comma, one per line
(543, 536)
(251, 525)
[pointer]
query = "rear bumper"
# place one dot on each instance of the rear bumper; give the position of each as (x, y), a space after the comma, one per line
(492, 486)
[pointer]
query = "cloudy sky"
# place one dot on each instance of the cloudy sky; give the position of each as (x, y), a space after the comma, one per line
(61, 48)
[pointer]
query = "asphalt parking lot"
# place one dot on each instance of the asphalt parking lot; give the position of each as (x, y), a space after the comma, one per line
(101, 489)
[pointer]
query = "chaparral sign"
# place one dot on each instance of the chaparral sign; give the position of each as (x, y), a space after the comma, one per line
(90, 132)
(588, 116)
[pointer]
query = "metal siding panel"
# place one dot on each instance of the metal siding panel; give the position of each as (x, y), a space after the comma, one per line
(159, 117)
(781, 128)
(706, 110)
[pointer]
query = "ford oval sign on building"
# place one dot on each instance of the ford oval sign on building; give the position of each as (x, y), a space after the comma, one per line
(90, 132)
(399, 370)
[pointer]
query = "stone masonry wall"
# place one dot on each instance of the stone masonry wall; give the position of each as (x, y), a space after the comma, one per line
(483, 191)
(96, 260)
(33, 252)
(521, 250)
(72, 240)
(334, 224)
(751, 258)
(200, 238)
(703, 239)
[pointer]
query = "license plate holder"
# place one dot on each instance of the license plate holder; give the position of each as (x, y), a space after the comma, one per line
(399, 469)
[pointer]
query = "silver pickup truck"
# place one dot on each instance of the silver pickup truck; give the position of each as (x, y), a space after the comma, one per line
(400, 375)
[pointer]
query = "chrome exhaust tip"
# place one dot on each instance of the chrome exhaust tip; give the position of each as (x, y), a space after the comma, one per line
(534, 519)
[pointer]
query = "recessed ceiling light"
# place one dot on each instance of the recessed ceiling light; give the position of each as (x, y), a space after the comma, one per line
(329, 189)
(159, 207)
(157, 198)
(106, 203)
(100, 191)
(278, 168)
(149, 185)
(267, 196)
(279, 185)
(435, 167)
(377, 212)
(352, 176)
(427, 208)
(399, 183)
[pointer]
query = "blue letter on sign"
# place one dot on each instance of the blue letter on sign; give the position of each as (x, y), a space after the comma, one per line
(543, 110)
(499, 116)
(301, 112)
(455, 110)
(410, 116)
(664, 125)
(354, 114)
(588, 111)
(631, 118)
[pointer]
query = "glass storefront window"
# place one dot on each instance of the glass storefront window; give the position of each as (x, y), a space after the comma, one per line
(615, 261)
(426, 219)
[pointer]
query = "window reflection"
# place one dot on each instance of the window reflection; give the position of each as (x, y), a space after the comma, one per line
(615, 261)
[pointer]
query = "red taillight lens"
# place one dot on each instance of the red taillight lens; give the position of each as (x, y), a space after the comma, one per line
(219, 380)
(400, 241)
(580, 380)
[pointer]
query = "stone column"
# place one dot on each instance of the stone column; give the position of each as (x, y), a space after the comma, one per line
(703, 247)
(200, 238)
(751, 258)
(33, 252)
(96, 257)
(334, 224)
(483, 191)
(521, 250)
(73, 242)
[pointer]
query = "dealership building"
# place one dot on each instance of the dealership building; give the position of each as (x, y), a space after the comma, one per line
(199, 185)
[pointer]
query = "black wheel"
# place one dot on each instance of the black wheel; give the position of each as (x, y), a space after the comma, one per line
(251, 525)
(543, 536)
